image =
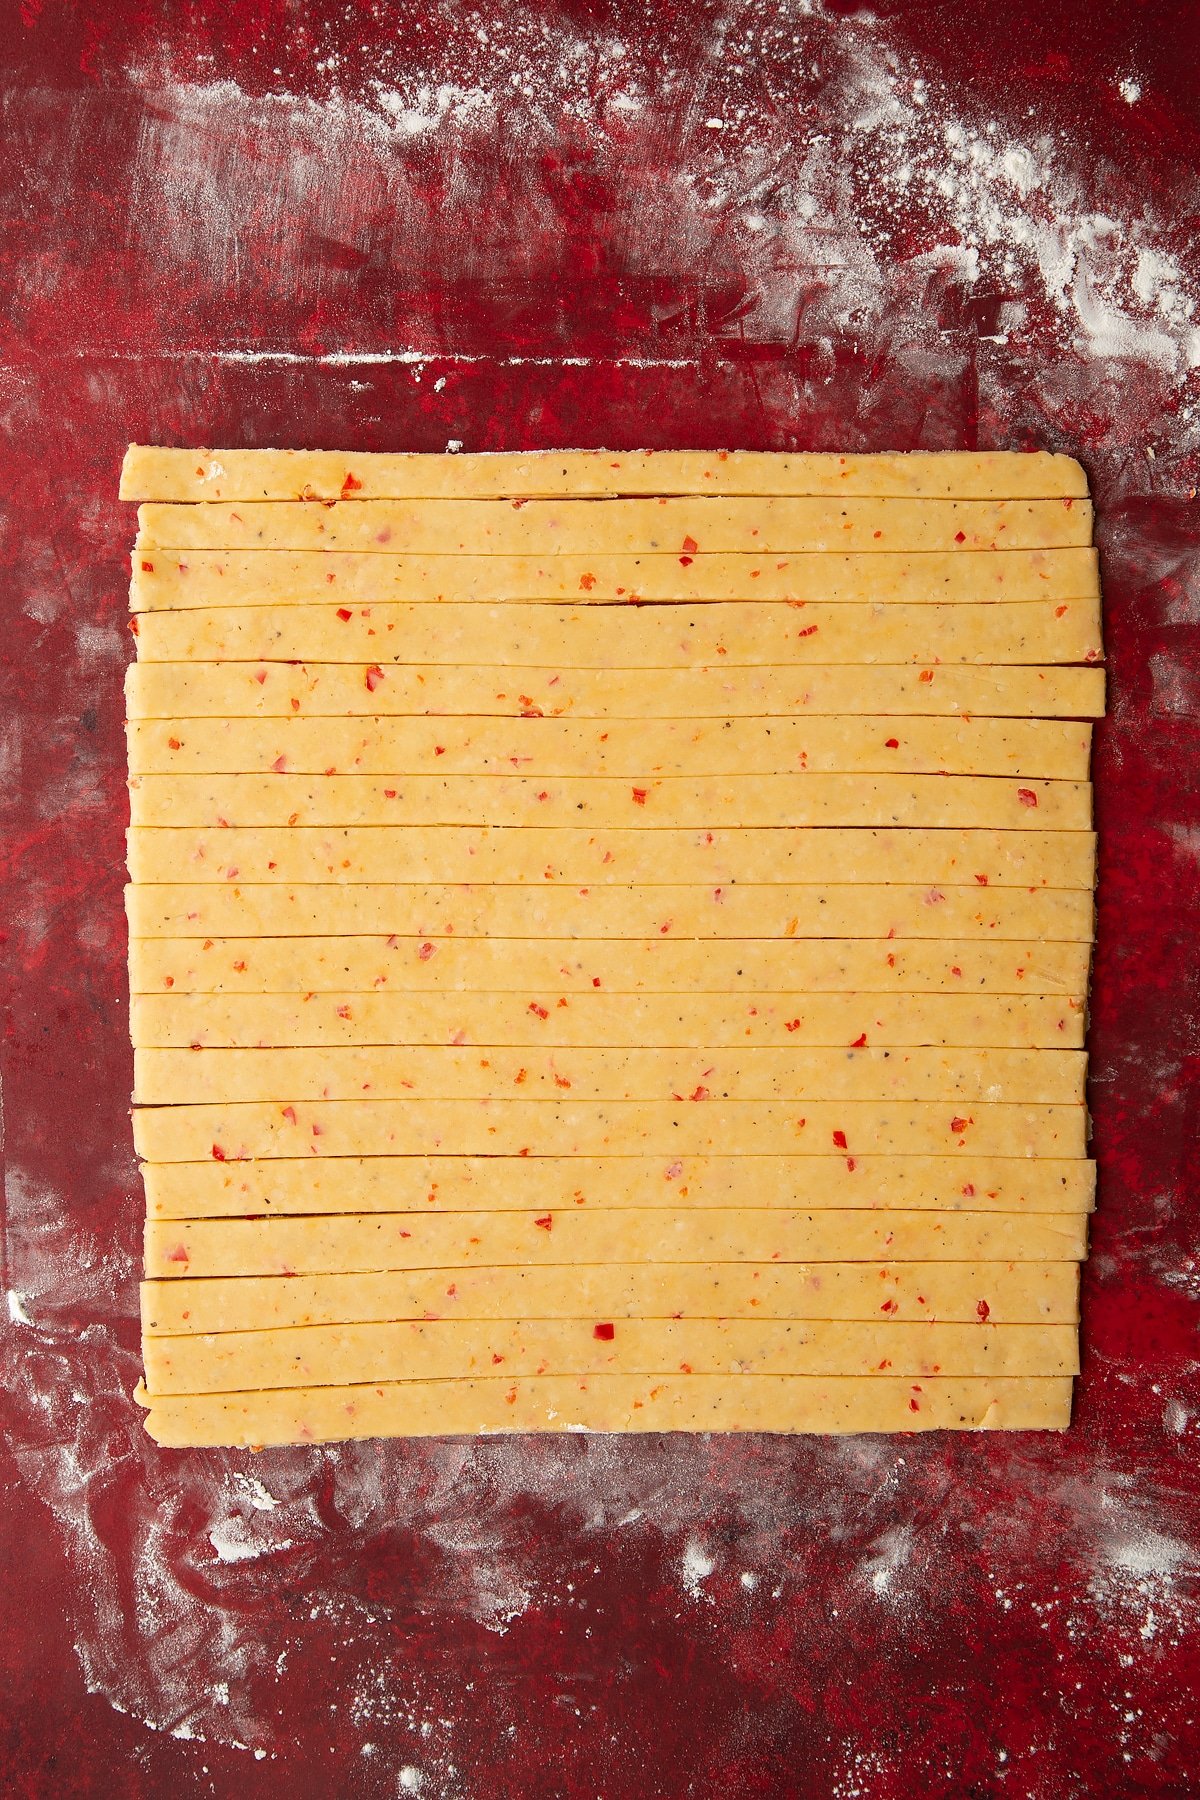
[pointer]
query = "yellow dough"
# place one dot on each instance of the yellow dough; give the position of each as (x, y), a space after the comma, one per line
(1045, 748)
(153, 472)
(953, 1293)
(455, 853)
(509, 1127)
(181, 690)
(956, 801)
(551, 970)
(864, 910)
(787, 1403)
(335, 1245)
(459, 1349)
(539, 1184)
(181, 1021)
(726, 635)
(166, 580)
(385, 1072)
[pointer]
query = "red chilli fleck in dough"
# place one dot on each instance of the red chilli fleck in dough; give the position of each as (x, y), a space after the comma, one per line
(839, 1139)
(373, 677)
(587, 583)
(639, 796)
(546, 1222)
(860, 1043)
(344, 613)
(957, 1125)
(1027, 797)
(984, 1311)
(690, 546)
(604, 1331)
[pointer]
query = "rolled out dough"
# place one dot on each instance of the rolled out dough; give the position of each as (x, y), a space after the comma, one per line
(239, 1129)
(181, 690)
(154, 472)
(729, 635)
(796, 1020)
(250, 1361)
(790, 1403)
(538, 1184)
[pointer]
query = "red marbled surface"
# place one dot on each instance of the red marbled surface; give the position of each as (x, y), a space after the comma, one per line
(927, 1616)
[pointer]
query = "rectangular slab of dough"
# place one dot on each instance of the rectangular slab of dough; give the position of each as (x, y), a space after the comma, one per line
(182, 690)
(618, 527)
(952, 1293)
(440, 1072)
(245, 965)
(1051, 749)
(155, 472)
(540, 1184)
(457, 853)
(862, 910)
(782, 1403)
(726, 635)
(334, 1355)
(166, 580)
(244, 1021)
(956, 802)
(201, 1248)
(237, 1129)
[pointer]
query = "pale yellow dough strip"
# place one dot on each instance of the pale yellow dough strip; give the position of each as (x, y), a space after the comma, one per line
(326, 1355)
(154, 472)
(456, 853)
(595, 1128)
(1050, 749)
(165, 580)
(540, 1184)
(722, 635)
(570, 966)
(996, 1021)
(201, 1248)
(856, 910)
(440, 1072)
(954, 1293)
(779, 1403)
(703, 803)
(167, 690)
(619, 527)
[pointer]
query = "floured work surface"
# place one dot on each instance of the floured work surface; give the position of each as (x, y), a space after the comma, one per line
(554, 1013)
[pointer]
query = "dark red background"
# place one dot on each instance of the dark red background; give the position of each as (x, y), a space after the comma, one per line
(929, 1616)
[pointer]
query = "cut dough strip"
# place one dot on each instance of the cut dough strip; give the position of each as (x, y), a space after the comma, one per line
(723, 635)
(553, 969)
(328, 1355)
(154, 472)
(948, 1293)
(441, 1072)
(619, 527)
(169, 690)
(482, 854)
(1050, 749)
(166, 580)
(794, 1020)
(857, 910)
(956, 802)
(792, 1403)
(540, 1184)
(202, 1248)
(337, 1128)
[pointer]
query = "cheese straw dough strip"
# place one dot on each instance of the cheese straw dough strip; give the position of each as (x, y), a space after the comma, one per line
(202, 1248)
(166, 690)
(540, 1184)
(859, 910)
(784, 1403)
(619, 527)
(509, 1127)
(154, 472)
(480, 854)
(725, 635)
(571, 966)
(166, 1021)
(167, 579)
(441, 1072)
(957, 802)
(927, 1293)
(328, 1355)
(1050, 749)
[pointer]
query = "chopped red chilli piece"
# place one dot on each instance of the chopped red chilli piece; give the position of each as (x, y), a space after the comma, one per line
(891, 743)
(860, 1043)
(540, 1011)
(984, 1311)
(546, 1222)
(425, 952)
(957, 1125)
(960, 537)
(373, 677)
(218, 1153)
(839, 1138)
(690, 545)
(351, 485)
(605, 1332)
(344, 613)
(1027, 797)
(639, 796)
